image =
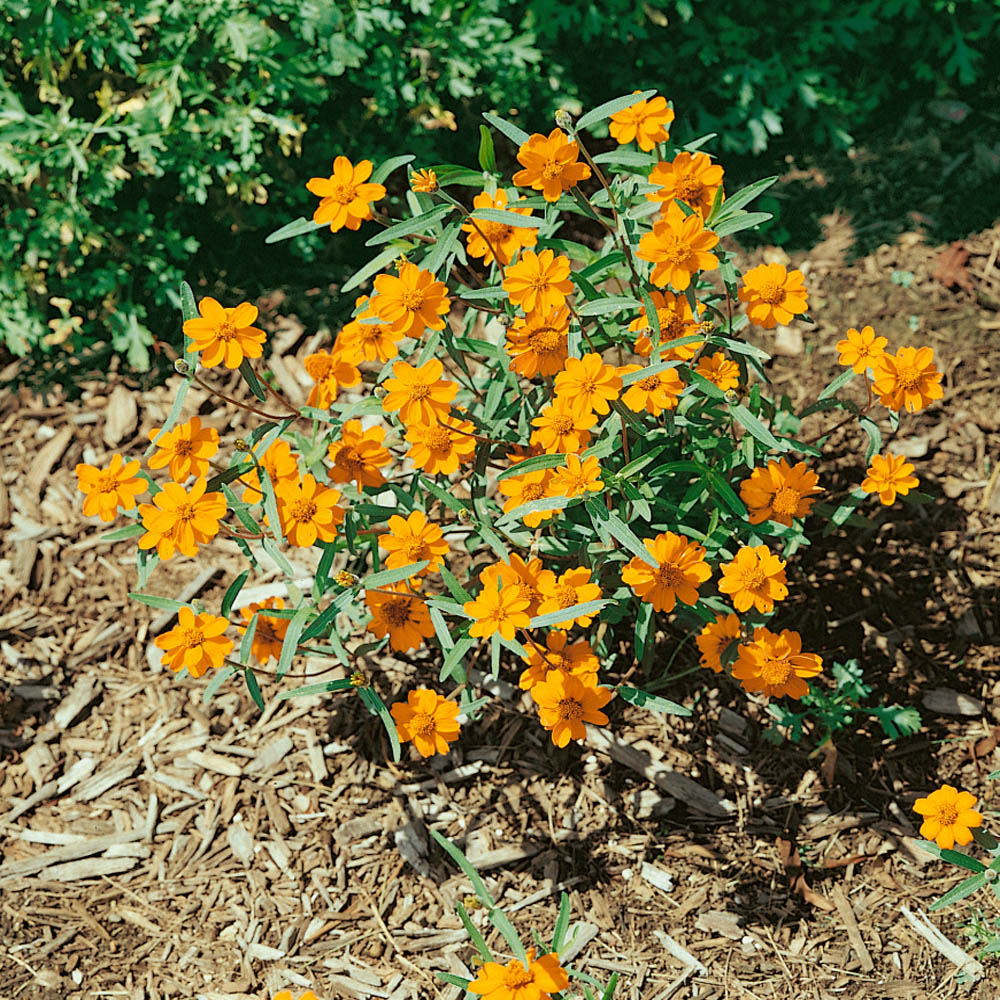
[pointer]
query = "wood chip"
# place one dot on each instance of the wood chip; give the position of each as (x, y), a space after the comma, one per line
(270, 755)
(657, 877)
(721, 923)
(846, 913)
(679, 951)
(964, 961)
(944, 701)
(214, 762)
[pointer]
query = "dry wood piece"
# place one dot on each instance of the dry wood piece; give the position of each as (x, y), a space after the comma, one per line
(578, 937)
(679, 951)
(270, 755)
(965, 962)
(846, 913)
(657, 877)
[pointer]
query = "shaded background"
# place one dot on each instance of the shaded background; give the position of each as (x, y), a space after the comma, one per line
(146, 142)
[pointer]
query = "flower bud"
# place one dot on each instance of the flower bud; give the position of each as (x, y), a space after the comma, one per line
(182, 367)
(563, 119)
(505, 321)
(472, 903)
(732, 397)
(358, 679)
(380, 392)
(465, 515)
(240, 444)
(346, 579)
(399, 262)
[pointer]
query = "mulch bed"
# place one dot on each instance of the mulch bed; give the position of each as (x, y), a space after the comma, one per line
(154, 846)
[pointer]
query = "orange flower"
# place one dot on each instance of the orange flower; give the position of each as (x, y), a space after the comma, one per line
(439, 449)
(490, 236)
(676, 321)
(691, 178)
(345, 197)
(269, 635)
(588, 383)
(948, 816)
(424, 181)
(331, 372)
(719, 370)
(412, 301)
(907, 379)
(755, 578)
(576, 659)
(678, 247)
(861, 350)
(287, 995)
(427, 719)
(308, 510)
(775, 665)
(715, 638)
(419, 394)
(561, 427)
(514, 981)
(110, 488)
(573, 587)
(681, 569)
(357, 455)
(565, 703)
(645, 122)
(195, 642)
(497, 609)
(576, 478)
(654, 393)
(186, 449)
(538, 282)
(363, 340)
(413, 539)
(889, 475)
(528, 579)
(399, 614)
(280, 465)
(181, 520)
(525, 488)
(538, 343)
(779, 492)
(550, 164)
(773, 295)
(225, 336)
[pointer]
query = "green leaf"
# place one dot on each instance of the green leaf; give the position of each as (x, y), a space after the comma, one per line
(837, 384)
(874, 437)
(254, 688)
(250, 377)
(508, 218)
(737, 223)
(442, 248)
(291, 641)
(383, 170)
(160, 603)
(487, 155)
(377, 707)
(608, 304)
(516, 135)
(321, 687)
(372, 267)
(452, 980)
(963, 889)
(536, 507)
(647, 370)
(388, 576)
(642, 699)
(587, 609)
(612, 107)
(755, 427)
(619, 530)
(220, 678)
(742, 197)
(962, 860)
(562, 923)
(293, 229)
(232, 592)
(627, 158)
(120, 534)
(533, 464)
(408, 227)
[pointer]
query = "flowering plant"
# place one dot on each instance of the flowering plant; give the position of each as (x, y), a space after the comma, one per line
(544, 435)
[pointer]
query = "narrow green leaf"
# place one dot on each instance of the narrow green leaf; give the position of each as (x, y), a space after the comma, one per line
(755, 427)
(962, 860)
(254, 688)
(533, 464)
(292, 229)
(508, 218)
(291, 641)
(408, 227)
(377, 707)
(434, 261)
(487, 155)
(120, 534)
(742, 197)
(562, 922)
(516, 135)
(837, 384)
(383, 170)
(321, 687)
(608, 304)
(388, 576)
(160, 603)
(963, 889)
(220, 678)
(585, 610)
(372, 267)
(619, 530)
(874, 437)
(647, 370)
(232, 592)
(250, 377)
(642, 699)
(612, 107)
(536, 507)
(627, 158)
(740, 221)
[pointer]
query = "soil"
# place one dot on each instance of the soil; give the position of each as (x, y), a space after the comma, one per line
(246, 852)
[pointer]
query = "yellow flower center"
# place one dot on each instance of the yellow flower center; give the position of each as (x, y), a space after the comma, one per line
(786, 501)
(343, 194)
(570, 710)
(183, 448)
(419, 391)
(908, 377)
(193, 637)
(675, 250)
(650, 383)
(755, 580)
(551, 170)
(556, 661)
(439, 439)
(545, 340)
(107, 483)
(562, 424)
(397, 611)
(669, 575)
(421, 724)
(318, 366)
(533, 491)
(371, 333)
(588, 386)
(775, 672)
(539, 282)
(349, 457)
(226, 331)
(413, 549)
(771, 292)
(947, 814)
(496, 233)
(303, 510)
(413, 299)
(690, 189)
(185, 512)
(565, 596)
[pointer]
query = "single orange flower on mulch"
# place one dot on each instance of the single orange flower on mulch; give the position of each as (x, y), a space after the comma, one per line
(773, 295)
(755, 578)
(396, 612)
(108, 489)
(186, 449)
(565, 703)
(179, 520)
(889, 475)
(573, 587)
(498, 608)
(413, 539)
(357, 455)
(428, 720)
(948, 816)
(779, 492)
(576, 478)
(538, 282)
(861, 349)
(412, 301)
(652, 393)
(589, 384)
(419, 394)
(308, 511)
(440, 448)
(774, 665)
(538, 343)
(907, 379)
(195, 642)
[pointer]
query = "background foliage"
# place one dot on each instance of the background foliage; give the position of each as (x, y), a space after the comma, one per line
(141, 141)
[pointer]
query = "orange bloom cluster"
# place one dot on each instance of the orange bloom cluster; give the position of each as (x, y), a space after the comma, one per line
(689, 177)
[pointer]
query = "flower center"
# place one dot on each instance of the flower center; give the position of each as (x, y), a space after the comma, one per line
(775, 672)
(414, 550)
(556, 661)
(669, 575)
(539, 282)
(422, 724)
(419, 391)
(565, 596)
(533, 491)
(570, 709)
(755, 580)
(265, 631)
(588, 386)
(771, 292)
(412, 299)
(562, 424)
(185, 512)
(908, 378)
(947, 815)
(349, 456)
(495, 232)
(343, 194)
(439, 439)
(318, 366)
(193, 637)
(226, 331)
(108, 483)
(303, 510)
(551, 170)
(675, 250)
(183, 448)
(650, 383)
(397, 611)
(690, 189)
(786, 501)
(545, 340)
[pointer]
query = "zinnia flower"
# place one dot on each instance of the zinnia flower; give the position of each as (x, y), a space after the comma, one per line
(550, 164)
(562, 427)
(497, 609)
(588, 383)
(948, 817)
(577, 659)
(279, 463)
(720, 371)
(484, 237)
(755, 578)
(779, 492)
(527, 579)
(439, 449)
(654, 393)
(287, 995)
(330, 371)
(565, 703)
(308, 511)
(645, 122)
(690, 177)
(523, 489)
(538, 343)
(361, 341)
(538, 282)
(413, 539)
(573, 587)
(715, 638)
(773, 295)
(775, 665)
(225, 336)
(889, 475)
(358, 455)
(181, 520)
(427, 719)
(678, 247)
(861, 350)
(576, 478)
(676, 321)
(110, 488)
(401, 615)
(424, 181)
(681, 569)
(907, 379)
(186, 449)
(345, 197)
(195, 642)
(269, 635)
(412, 301)
(419, 394)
